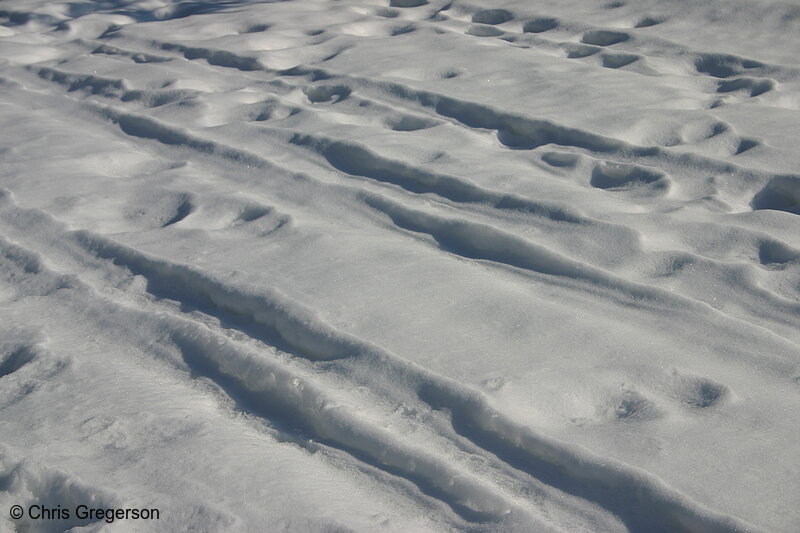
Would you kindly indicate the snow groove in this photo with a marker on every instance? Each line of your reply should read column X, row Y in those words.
column 647, row 500
column 358, row 160
column 275, row 391
column 600, row 480
column 480, row 241
column 544, row 279
column 299, row 328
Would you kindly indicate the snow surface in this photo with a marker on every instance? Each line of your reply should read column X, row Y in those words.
column 401, row 265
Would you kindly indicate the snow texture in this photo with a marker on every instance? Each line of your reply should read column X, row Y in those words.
column 401, row 265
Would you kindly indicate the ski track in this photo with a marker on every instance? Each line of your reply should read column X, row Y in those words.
column 464, row 238
column 282, row 361
column 247, row 374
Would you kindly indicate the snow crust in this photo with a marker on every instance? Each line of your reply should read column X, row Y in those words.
column 401, row 265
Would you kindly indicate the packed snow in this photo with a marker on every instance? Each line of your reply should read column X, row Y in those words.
column 400, row 265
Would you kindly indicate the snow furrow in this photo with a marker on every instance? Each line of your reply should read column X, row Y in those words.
column 500, row 248
column 401, row 265
column 647, row 500
column 360, row 161
column 275, row 390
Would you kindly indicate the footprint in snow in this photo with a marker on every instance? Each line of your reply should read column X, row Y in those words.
column 579, row 51
column 753, row 86
column 647, row 22
column 560, row 159
column 386, row 12
column 631, row 406
column 746, row 144
column 158, row 208
column 409, row 123
column 255, row 28
column 407, row 3
column 624, row 177
column 695, row 392
column 482, row 30
column 724, row 65
column 604, row 37
column 774, row 254
column 327, row 93
column 14, row 359
column 492, row 16
column 619, row 60
column 781, row 193
column 540, row 25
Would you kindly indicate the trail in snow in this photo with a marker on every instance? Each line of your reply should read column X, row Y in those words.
column 407, row 265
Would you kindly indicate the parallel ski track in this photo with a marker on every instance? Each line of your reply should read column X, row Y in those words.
column 516, row 455
column 453, row 234
column 642, row 501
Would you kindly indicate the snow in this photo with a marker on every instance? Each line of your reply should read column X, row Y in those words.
column 401, row 265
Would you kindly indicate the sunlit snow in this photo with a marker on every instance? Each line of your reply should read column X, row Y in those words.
column 400, row 265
